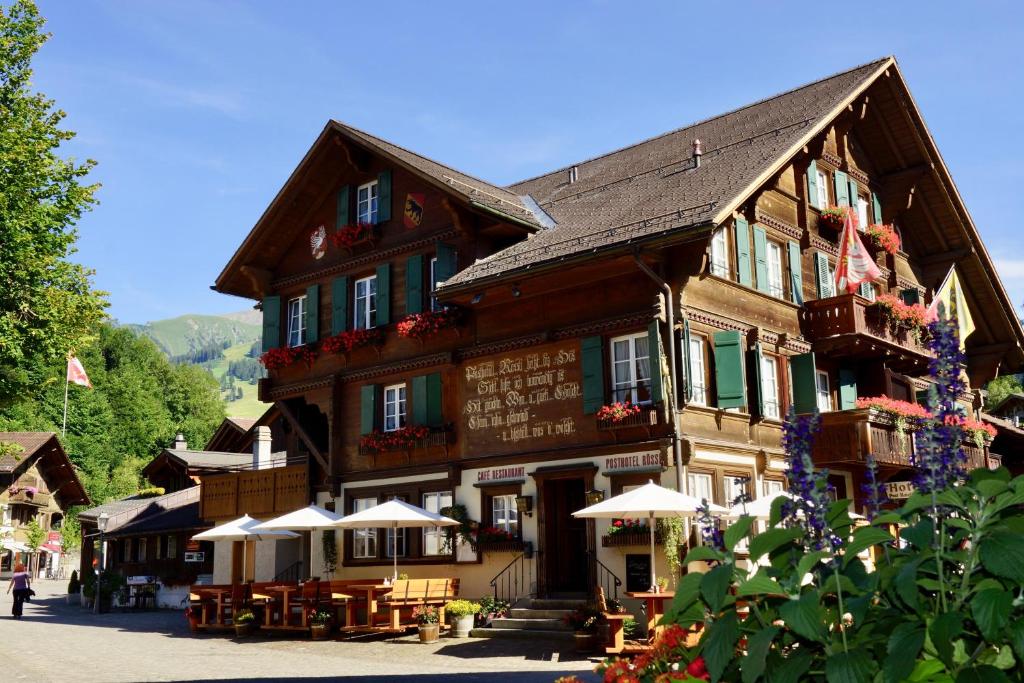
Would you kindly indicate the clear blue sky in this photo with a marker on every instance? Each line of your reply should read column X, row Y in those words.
column 198, row 111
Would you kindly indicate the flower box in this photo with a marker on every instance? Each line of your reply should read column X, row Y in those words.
column 416, row 436
column 428, row 324
column 275, row 359
column 499, row 546
column 882, row 236
column 623, row 415
column 832, row 218
column 631, row 538
column 350, row 236
column 350, row 340
column 898, row 315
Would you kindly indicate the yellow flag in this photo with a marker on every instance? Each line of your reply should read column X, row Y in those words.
column 951, row 304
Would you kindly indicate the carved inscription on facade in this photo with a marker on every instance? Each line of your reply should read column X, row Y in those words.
column 520, row 399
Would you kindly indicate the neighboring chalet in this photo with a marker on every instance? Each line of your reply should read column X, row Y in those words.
column 37, row 482
column 435, row 338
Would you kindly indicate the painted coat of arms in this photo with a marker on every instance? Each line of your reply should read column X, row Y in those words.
column 318, row 242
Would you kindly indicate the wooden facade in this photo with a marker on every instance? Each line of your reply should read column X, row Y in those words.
column 509, row 396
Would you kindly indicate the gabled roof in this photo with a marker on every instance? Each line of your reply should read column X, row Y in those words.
column 183, row 518
column 45, row 451
column 127, row 510
column 653, row 187
column 1006, row 403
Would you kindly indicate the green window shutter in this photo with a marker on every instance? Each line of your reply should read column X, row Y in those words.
column 312, row 313
column 854, row 191
column 445, row 266
column 876, row 208
column 812, row 185
column 368, row 408
column 654, row 349
column 822, row 275
column 805, row 387
column 796, row 275
column 383, row 294
column 756, row 358
column 842, row 189
column 384, row 197
column 847, row 389
column 592, row 360
column 342, row 210
column 910, row 296
column 729, row 370
column 419, row 400
column 414, row 284
column 761, row 258
column 741, row 232
column 339, row 305
column 435, row 412
column 271, row 322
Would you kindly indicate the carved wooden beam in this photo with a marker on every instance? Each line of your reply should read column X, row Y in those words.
column 286, row 411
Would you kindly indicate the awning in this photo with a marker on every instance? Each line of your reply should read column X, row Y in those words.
column 51, row 548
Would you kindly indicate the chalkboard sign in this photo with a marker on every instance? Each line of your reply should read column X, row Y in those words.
column 638, row 573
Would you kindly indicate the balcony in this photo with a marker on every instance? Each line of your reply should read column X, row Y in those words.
column 848, row 326
column 25, row 496
column 849, row 436
column 259, row 493
column 437, row 436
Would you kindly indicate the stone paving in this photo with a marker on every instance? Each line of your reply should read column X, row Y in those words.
column 60, row 642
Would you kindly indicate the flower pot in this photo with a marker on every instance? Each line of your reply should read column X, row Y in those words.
column 429, row 632
column 320, row 631
column 246, row 629
column 461, row 625
column 604, row 632
column 584, row 641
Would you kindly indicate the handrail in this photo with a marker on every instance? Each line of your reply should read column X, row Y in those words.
column 605, row 578
column 292, row 572
column 514, row 581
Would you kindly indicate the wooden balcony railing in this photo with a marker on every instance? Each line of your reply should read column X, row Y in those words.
column 438, row 436
column 850, row 325
column 647, row 417
column 24, row 497
column 269, row 492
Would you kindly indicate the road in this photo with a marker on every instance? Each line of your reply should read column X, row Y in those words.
column 59, row 642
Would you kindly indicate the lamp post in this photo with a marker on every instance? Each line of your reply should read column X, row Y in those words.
column 101, row 524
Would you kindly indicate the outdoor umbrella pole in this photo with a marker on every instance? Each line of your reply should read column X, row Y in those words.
column 394, row 550
column 650, row 526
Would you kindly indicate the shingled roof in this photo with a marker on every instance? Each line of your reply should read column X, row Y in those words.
column 653, row 187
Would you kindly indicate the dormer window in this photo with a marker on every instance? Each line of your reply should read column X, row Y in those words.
column 366, row 203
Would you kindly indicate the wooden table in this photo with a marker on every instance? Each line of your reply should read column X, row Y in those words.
column 218, row 595
column 655, row 604
column 286, row 592
column 373, row 591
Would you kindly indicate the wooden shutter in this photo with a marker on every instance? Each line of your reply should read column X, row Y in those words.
column 383, row 294
column 435, row 411
column 271, row 322
column 729, row 377
column 876, row 208
column 741, row 234
column 910, row 296
column 842, row 183
column 426, row 400
column 865, row 290
column 796, row 274
column 822, row 275
column 655, row 354
column 592, row 360
column 339, row 305
column 341, row 215
column 384, row 196
column 847, row 389
column 757, row 390
column 419, row 400
column 854, row 192
column 445, row 266
column 368, row 408
column 761, row 258
column 414, row 284
column 312, row 313
column 812, row 185
column 805, row 387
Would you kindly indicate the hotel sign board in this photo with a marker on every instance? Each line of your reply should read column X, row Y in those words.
column 898, row 490
column 633, row 462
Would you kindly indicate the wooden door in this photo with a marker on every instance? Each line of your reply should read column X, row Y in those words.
column 565, row 537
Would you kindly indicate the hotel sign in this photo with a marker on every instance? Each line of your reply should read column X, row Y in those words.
column 634, row 461
column 897, row 490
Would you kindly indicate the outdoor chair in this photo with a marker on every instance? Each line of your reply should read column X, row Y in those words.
column 308, row 602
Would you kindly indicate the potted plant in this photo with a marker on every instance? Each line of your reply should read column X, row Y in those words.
column 583, row 621
column 74, row 587
column 833, row 217
column 661, row 583
column 427, row 618
column 491, row 608
column 245, row 622
column 463, row 613
column 320, row 624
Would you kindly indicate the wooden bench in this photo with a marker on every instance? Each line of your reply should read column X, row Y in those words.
column 409, row 593
column 616, row 642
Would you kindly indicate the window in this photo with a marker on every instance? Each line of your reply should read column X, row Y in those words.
column 770, row 387
column 434, row 539
column 434, row 306
column 366, row 303
column 366, row 203
column 773, row 487
column 631, row 369
column 719, row 254
column 698, row 373
column 394, row 407
column 504, row 514
column 867, row 290
column 700, row 486
column 159, row 550
column 736, row 486
column 172, row 547
column 364, row 541
column 774, row 258
column 395, row 544
column 141, row 555
column 297, row 321
column 824, row 394
column 822, row 189
column 126, row 550
column 862, row 214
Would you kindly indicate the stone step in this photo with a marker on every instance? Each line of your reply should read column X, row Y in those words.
column 524, row 634
column 530, row 624
column 555, row 603
column 528, row 613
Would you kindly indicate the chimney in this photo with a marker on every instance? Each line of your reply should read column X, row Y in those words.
column 698, row 151
column 179, row 442
column 261, row 449
column 574, row 174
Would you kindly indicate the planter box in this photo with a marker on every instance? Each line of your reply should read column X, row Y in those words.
column 631, row 539
column 438, row 436
column 647, row 417
column 500, row 546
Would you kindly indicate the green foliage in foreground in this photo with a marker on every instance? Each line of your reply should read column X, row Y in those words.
column 947, row 607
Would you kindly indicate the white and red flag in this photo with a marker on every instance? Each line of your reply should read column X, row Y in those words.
column 76, row 373
column 854, row 264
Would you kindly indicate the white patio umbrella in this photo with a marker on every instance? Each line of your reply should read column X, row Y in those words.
column 651, row 501
column 242, row 529
column 310, row 518
column 396, row 514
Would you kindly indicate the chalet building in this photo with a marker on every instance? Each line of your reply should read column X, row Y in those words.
column 435, row 338
column 39, row 483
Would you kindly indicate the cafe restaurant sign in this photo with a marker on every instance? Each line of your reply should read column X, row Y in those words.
column 499, row 474
column 898, row 490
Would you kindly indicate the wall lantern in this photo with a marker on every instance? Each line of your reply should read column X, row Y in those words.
column 594, row 496
column 524, row 504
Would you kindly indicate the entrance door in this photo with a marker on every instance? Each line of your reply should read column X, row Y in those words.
column 565, row 537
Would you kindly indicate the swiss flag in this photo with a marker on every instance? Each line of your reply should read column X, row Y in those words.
column 76, row 373
column 854, row 264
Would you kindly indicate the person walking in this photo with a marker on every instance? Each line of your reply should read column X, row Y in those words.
column 21, row 582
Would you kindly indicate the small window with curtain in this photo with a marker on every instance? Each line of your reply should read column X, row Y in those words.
column 631, row 369
column 394, row 407
column 720, row 254
column 505, row 514
column 434, row 538
column 823, row 184
column 698, row 372
column 364, row 541
column 770, row 387
column 862, row 214
column 773, row 259
column 297, row 321
column 824, row 392
column 366, row 203
column 365, row 314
